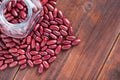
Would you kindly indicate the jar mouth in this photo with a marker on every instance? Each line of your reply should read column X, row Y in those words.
column 5, row 22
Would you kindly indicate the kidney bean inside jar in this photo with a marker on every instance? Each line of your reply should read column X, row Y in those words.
column 15, row 11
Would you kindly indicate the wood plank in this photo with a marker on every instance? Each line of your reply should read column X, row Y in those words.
column 111, row 69
column 91, row 59
column 8, row 74
column 96, row 23
column 86, row 29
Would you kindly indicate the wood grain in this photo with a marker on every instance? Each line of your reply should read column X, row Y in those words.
column 8, row 74
column 111, row 69
column 96, row 23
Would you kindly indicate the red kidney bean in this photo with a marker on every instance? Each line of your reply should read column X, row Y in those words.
column 60, row 21
column 22, row 62
column 36, row 27
column 0, row 48
column 5, row 11
column 21, row 51
column 45, row 64
column 34, row 52
column 66, row 47
column 19, row 6
column 24, row 41
column 41, row 30
column 53, row 36
column 18, row 47
column 28, row 55
column 41, row 68
column 50, row 7
column 44, row 1
column 47, row 22
column 38, row 39
column 44, row 42
column 2, row 58
column 64, row 33
column 36, row 62
column 43, row 53
column 66, row 21
column 44, row 24
column 46, row 17
column 46, row 57
column 58, row 49
column 44, row 48
column 66, row 42
column 14, row 3
column 4, row 52
column 9, row 6
column 46, row 34
column 76, row 42
column 60, row 14
column 3, row 36
column 52, row 59
column 45, row 9
column 7, row 40
column 8, row 61
column 52, row 46
column 1, row 63
column 23, row 66
column 71, row 38
column 41, row 19
column 55, row 12
column 53, row 3
column 50, row 42
column 7, row 56
column 16, row 41
column 30, row 63
column 37, row 34
column 47, row 30
column 23, row 14
column 3, row 67
column 42, row 13
column 37, row 46
column 14, row 12
column 13, row 64
column 13, row 50
column 50, row 16
column 50, row 51
column 28, row 48
column 7, row 15
column 17, row 9
column 15, row 54
column 53, row 22
column 62, row 27
column 33, row 44
column 11, row 44
column 60, row 39
column 21, row 57
column 70, row 31
column 36, row 57
column 29, row 39
column 57, row 33
column 24, row 46
column 54, row 27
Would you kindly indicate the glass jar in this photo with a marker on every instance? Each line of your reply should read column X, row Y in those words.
column 22, row 29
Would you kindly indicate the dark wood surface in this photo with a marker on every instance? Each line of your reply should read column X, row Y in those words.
column 97, row 24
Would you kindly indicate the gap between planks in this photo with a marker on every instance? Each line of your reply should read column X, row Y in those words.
column 115, row 42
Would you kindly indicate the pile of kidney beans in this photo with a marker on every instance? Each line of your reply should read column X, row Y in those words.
column 15, row 11
column 51, row 34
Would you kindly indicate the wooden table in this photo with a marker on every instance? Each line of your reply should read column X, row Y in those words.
column 97, row 24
